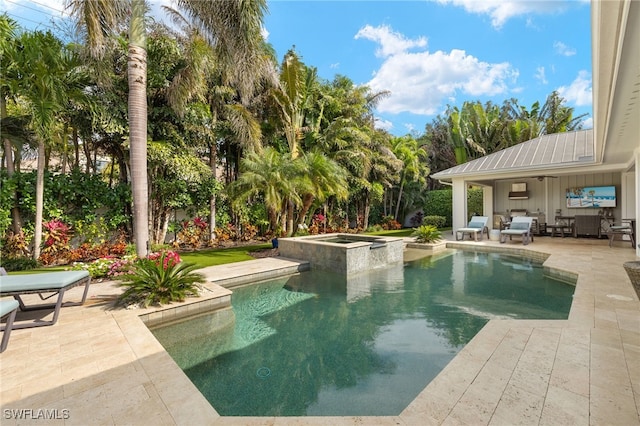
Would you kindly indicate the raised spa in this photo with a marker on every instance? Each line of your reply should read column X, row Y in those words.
column 344, row 253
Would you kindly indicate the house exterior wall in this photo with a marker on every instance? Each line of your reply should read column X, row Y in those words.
column 549, row 194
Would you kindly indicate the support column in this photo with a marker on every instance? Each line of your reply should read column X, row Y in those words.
column 487, row 204
column 459, row 204
column 637, row 198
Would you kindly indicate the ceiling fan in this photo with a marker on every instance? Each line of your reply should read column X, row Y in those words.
column 542, row 177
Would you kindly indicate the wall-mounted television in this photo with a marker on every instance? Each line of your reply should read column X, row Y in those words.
column 591, row 197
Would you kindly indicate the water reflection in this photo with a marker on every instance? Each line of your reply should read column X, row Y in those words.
column 363, row 346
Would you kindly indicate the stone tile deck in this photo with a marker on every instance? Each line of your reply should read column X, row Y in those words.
column 101, row 365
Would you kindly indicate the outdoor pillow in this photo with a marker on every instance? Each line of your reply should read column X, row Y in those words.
column 478, row 225
column 519, row 225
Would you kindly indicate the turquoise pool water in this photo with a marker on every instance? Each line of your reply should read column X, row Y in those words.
column 316, row 345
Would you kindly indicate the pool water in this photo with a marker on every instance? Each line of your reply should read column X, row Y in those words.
column 316, row 345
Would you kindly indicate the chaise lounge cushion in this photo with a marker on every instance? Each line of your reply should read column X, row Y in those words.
column 40, row 282
column 517, row 226
column 55, row 283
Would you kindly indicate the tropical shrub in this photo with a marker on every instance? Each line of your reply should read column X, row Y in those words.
column 249, row 232
column 389, row 223
column 416, row 219
column 437, row 221
column 374, row 228
column 74, row 197
column 56, row 242
column 15, row 245
column 192, row 233
column 99, row 268
column 122, row 266
column 226, row 233
column 159, row 279
column 426, row 234
column 18, row 263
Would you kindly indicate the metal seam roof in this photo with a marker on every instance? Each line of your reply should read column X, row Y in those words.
column 554, row 150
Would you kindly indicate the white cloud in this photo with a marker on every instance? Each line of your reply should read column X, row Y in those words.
column 540, row 75
column 383, row 124
column 390, row 42
column 410, row 127
column 501, row 11
column 579, row 92
column 588, row 123
column 264, row 33
column 563, row 49
column 25, row 9
column 335, row 65
column 420, row 82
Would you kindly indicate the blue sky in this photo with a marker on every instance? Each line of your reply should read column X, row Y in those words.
column 428, row 54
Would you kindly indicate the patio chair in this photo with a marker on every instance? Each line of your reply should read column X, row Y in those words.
column 520, row 227
column 625, row 228
column 55, row 283
column 8, row 308
column 477, row 225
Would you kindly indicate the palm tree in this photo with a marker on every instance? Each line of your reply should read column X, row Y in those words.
column 46, row 81
column 556, row 117
column 100, row 19
column 10, row 76
column 323, row 177
column 242, row 64
column 270, row 175
column 414, row 167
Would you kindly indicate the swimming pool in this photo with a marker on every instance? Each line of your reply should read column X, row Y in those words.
column 317, row 344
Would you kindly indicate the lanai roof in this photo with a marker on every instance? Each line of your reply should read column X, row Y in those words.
column 558, row 150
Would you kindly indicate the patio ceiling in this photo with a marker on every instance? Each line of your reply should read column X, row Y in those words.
column 616, row 79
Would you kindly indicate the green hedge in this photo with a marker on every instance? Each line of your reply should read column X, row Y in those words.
column 439, row 203
column 474, row 202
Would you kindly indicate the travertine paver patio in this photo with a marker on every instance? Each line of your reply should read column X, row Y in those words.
column 101, row 365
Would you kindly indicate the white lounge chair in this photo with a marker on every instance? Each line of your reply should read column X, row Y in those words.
column 477, row 225
column 521, row 227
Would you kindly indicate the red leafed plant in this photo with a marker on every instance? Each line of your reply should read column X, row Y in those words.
column 56, row 242
column 168, row 258
column 57, row 234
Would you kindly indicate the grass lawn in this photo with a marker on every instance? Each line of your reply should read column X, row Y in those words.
column 406, row 232
column 220, row 256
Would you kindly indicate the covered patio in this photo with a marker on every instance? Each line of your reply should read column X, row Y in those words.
column 534, row 177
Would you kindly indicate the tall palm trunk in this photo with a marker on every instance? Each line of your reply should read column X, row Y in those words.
column 213, row 159
column 37, row 234
column 307, row 202
column 399, row 197
column 137, row 74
